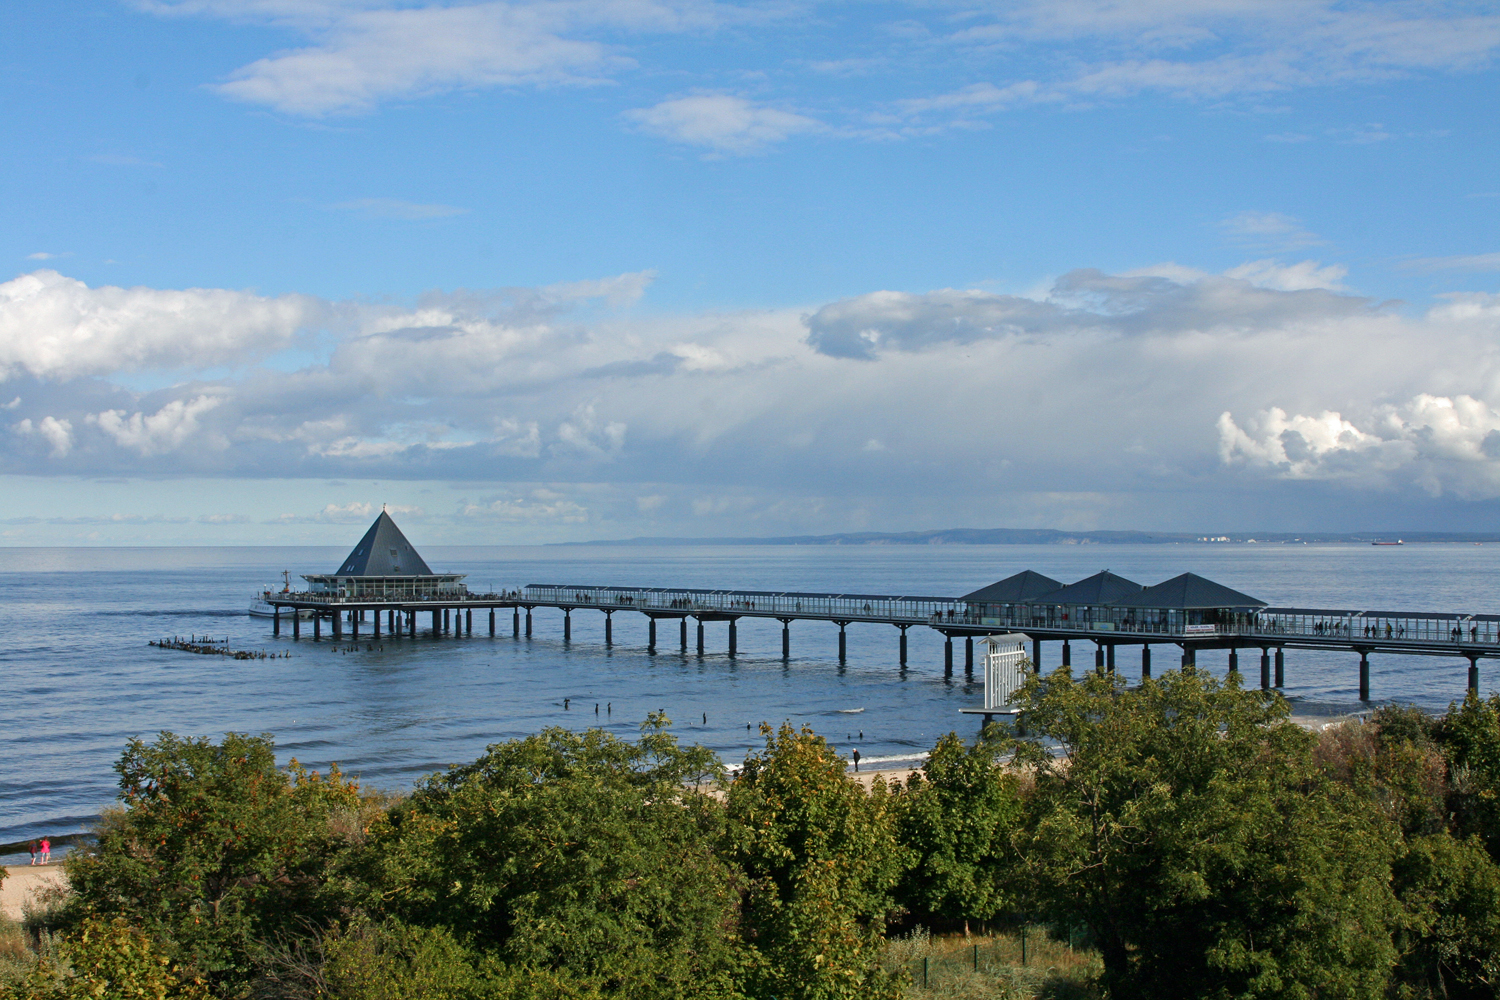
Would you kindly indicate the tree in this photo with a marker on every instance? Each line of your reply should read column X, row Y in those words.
column 821, row 858
column 215, row 849
column 957, row 815
column 108, row 959
column 1450, row 934
column 1470, row 737
column 576, row 852
column 1186, row 824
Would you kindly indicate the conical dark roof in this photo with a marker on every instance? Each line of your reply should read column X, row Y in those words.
column 384, row 551
column 1189, row 591
column 1101, row 588
column 1019, row 589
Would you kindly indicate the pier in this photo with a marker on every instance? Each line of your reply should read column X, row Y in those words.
column 1108, row 614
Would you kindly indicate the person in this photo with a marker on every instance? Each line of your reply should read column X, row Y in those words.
column 32, row 848
column 565, row 703
column 46, row 851
column 856, row 760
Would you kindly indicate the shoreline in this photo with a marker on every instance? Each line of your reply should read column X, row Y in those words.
column 28, row 886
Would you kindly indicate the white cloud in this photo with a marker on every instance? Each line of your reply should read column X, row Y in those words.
column 57, row 327
column 57, row 433
column 1438, row 442
column 391, row 208
column 1479, row 262
column 722, row 123
column 150, row 434
column 44, row 255
column 1290, row 277
column 1271, row 230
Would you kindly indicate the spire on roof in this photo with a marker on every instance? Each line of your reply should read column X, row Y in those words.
column 384, row 551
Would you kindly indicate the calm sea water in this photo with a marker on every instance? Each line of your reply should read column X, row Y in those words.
column 80, row 678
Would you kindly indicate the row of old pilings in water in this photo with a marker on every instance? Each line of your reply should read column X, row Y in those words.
column 205, row 646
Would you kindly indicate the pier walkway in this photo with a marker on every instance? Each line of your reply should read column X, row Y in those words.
column 1142, row 617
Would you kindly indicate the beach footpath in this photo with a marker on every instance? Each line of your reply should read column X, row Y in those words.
column 27, row 887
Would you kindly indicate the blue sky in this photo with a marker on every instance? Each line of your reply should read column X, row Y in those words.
column 596, row 268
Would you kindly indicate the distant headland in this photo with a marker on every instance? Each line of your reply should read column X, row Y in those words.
column 1053, row 536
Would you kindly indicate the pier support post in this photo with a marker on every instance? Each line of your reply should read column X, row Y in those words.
column 375, row 622
column 947, row 655
column 390, row 622
column 609, row 628
column 1067, row 660
column 1234, row 661
column 682, row 634
column 786, row 639
column 276, row 621
column 843, row 643
column 492, row 622
column 296, row 623
column 411, row 621
column 1280, row 667
column 1146, row 662
column 338, row 626
column 734, row 638
column 437, row 622
column 1099, row 658
column 317, row 627
column 567, row 625
column 1364, row 675
column 468, row 621
column 1036, row 656
column 1109, row 658
column 700, row 636
column 1265, row 669
column 651, row 635
column 1474, row 674
column 515, row 623
column 528, row 622
column 903, row 629
column 445, row 621
column 1189, row 658
column 968, row 654
column 354, row 617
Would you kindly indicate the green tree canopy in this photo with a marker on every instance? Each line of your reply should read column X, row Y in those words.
column 569, row 851
column 215, row 850
column 1187, row 825
column 821, row 858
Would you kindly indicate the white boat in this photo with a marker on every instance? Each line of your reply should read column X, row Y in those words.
column 261, row 606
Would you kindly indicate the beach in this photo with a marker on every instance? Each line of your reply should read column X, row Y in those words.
column 28, row 886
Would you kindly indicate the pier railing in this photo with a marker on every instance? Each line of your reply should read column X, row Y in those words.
column 1273, row 626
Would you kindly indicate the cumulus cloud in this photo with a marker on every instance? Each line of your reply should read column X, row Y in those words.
column 57, row 433
column 154, row 433
column 722, row 123
column 57, row 327
column 1438, row 442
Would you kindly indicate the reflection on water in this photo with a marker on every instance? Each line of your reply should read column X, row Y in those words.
column 81, row 679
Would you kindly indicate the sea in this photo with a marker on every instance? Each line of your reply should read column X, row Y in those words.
column 80, row 678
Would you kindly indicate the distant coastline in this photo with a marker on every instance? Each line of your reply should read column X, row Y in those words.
column 1053, row 536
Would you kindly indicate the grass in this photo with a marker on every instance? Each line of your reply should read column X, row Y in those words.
column 1052, row 970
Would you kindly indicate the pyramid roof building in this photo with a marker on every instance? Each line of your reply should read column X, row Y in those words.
column 385, row 564
column 384, row 551
column 1094, row 591
column 1189, row 592
column 1022, row 588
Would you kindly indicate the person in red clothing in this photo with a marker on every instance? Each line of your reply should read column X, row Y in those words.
column 46, row 851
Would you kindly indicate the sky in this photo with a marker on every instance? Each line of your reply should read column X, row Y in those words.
column 579, row 269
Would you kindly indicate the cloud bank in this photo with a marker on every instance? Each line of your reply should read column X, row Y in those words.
column 1119, row 387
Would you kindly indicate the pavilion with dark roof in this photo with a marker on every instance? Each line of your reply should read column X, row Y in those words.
column 384, row 564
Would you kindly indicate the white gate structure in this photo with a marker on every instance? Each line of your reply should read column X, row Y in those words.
column 1005, row 662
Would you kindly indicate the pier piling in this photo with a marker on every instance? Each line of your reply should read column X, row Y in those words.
column 786, row 639
column 1364, row 675
column 1280, row 668
column 700, row 636
column 276, row 621
column 567, row 625
column 682, row 634
column 968, row 654
column 1265, row 669
column 1474, row 674
column 734, row 638
column 1067, row 656
column 843, row 643
column 947, row 655
column 609, row 628
column 1146, row 662
column 651, row 635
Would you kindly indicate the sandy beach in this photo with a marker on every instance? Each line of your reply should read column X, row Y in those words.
column 24, row 886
